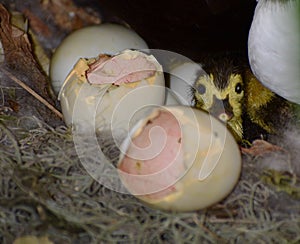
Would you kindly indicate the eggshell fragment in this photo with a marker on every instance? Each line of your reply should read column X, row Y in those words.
column 179, row 159
column 122, row 68
column 88, row 42
column 94, row 101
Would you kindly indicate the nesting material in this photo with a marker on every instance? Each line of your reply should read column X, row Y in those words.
column 46, row 192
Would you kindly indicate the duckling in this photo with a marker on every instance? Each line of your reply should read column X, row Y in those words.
column 274, row 46
column 229, row 91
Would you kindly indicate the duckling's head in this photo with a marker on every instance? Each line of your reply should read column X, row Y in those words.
column 220, row 91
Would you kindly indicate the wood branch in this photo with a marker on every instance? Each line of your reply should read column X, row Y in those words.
column 32, row 92
column 21, row 65
column 19, row 57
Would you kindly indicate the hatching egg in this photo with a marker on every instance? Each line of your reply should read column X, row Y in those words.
column 106, row 92
column 180, row 159
column 88, row 42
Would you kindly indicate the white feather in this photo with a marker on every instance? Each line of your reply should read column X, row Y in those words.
column 274, row 47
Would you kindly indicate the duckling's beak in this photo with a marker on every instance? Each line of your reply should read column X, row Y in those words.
column 221, row 109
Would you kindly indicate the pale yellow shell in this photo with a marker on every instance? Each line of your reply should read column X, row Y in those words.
column 90, row 107
column 211, row 163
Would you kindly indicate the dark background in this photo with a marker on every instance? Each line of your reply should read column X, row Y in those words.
column 191, row 27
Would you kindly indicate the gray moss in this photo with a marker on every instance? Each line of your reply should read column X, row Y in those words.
column 44, row 190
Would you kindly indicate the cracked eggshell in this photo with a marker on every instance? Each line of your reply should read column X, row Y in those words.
column 99, row 105
column 179, row 159
column 88, row 42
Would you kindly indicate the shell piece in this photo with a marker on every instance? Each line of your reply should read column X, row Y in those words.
column 126, row 67
column 88, row 41
column 179, row 159
column 89, row 107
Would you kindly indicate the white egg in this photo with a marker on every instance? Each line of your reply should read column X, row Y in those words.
column 274, row 47
column 88, row 42
column 179, row 159
column 182, row 79
column 107, row 92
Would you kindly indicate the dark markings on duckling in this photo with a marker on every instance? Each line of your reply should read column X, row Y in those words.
column 230, row 92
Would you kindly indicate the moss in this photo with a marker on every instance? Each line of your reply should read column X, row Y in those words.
column 46, row 191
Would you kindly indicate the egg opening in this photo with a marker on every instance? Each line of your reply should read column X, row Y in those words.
column 155, row 154
column 104, row 92
column 124, row 68
column 195, row 160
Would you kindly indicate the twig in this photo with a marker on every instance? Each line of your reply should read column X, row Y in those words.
column 32, row 92
column 13, row 141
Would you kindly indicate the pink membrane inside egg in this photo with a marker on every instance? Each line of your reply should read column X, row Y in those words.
column 120, row 69
column 154, row 177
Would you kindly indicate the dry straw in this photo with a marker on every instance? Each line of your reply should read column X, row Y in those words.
column 44, row 190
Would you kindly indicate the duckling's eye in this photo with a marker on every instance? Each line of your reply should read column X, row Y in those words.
column 238, row 88
column 201, row 89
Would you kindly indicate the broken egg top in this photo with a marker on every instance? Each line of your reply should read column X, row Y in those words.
column 124, row 68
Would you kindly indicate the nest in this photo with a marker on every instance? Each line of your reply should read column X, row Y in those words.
column 45, row 192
